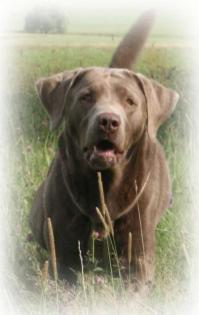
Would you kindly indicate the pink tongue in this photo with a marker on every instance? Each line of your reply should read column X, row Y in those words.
column 107, row 153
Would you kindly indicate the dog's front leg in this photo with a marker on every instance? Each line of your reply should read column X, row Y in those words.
column 143, row 247
column 140, row 269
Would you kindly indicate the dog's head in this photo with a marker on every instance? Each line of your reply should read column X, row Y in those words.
column 105, row 110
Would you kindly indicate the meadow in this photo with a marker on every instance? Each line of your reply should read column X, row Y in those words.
column 34, row 56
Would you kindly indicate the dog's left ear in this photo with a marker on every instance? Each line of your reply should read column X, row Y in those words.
column 53, row 91
column 160, row 100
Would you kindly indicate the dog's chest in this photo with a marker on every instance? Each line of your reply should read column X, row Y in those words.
column 119, row 198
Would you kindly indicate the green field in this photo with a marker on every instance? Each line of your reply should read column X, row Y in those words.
column 38, row 55
column 89, row 40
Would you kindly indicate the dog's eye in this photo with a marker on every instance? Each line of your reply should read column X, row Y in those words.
column 130, row 101
column 86, row 97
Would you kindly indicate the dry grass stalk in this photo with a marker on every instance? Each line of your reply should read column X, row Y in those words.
column 101, row 192
column 129, row 248
column 141, row 230
column 44, row 275
column 109, row 220
column 104, row 208
column 102, row 219
column 141, row 267
column 186, row 255
column 52, row 248
column 82, row 272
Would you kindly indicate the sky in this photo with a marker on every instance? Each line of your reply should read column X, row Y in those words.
column 11, row 11
column 22, row 5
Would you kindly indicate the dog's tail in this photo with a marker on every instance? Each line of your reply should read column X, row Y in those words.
column 132, row 43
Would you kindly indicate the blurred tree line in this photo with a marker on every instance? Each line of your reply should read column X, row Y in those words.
column 46, row 20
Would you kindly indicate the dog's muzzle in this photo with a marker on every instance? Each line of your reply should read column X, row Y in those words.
column 105, row 150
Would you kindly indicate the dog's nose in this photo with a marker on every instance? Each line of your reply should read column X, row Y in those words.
column 109, row 122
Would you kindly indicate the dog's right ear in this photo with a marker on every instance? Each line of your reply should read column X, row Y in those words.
column 53, row 92
column 160, row 101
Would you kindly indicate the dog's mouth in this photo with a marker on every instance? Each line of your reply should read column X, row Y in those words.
column 103, row 154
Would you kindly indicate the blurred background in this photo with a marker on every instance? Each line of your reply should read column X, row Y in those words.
column 39, row 40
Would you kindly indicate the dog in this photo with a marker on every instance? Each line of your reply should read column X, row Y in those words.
column 111, row 118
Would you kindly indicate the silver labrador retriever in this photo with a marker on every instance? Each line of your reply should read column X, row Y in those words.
column 111, row 118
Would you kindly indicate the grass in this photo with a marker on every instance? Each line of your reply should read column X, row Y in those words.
column 34, row 148
column 88, row 39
